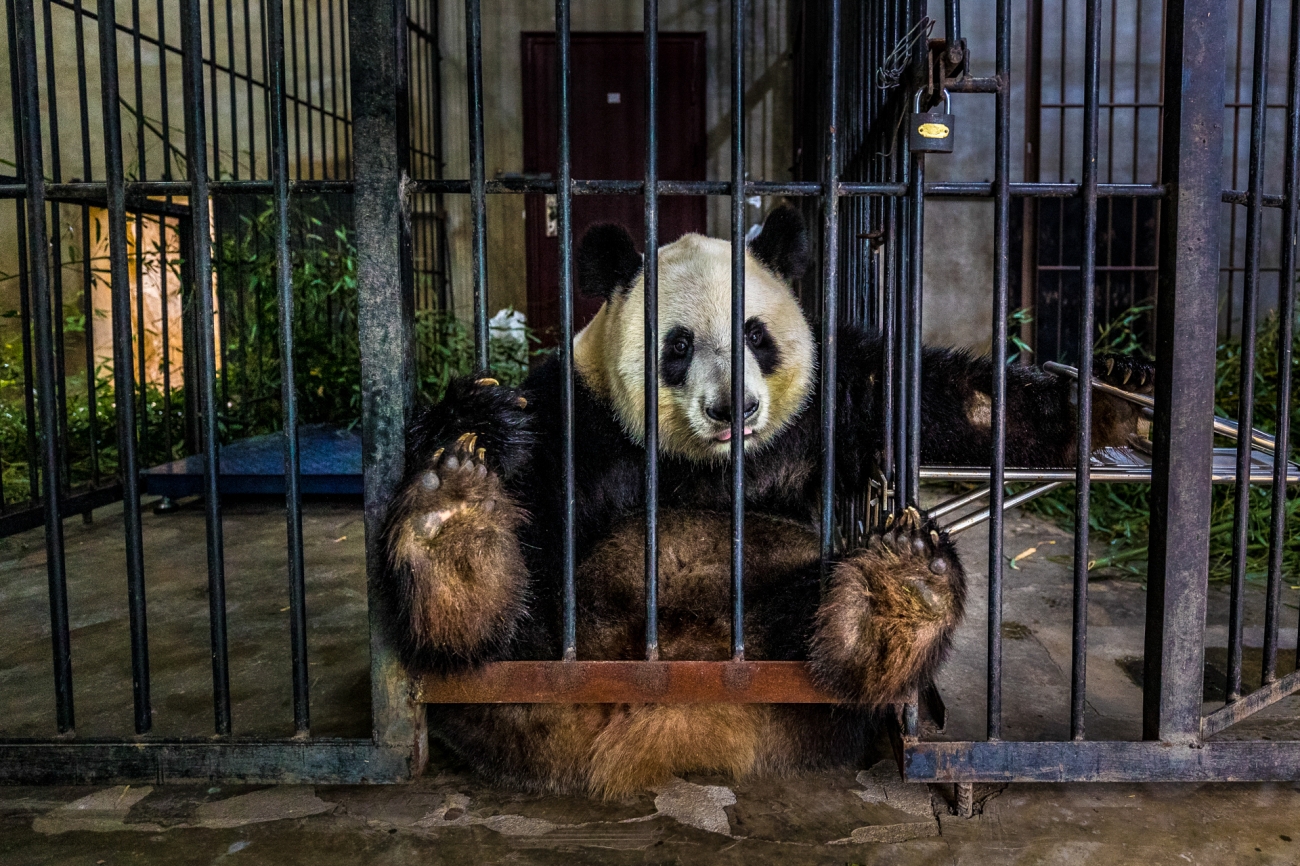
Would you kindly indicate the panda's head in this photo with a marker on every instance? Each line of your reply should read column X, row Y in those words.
column 695, row 335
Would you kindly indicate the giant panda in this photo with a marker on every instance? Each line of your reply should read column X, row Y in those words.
column 473, row 537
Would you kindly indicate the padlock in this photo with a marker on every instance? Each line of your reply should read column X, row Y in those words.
column 931, row 131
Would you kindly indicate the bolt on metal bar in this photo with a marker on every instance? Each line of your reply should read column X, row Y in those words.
column 1246, row 383
column 565, row 219
column 1001, row 293
column 1083, row 432
column 650, row 282
column 124, row 397
column 201, row 256
column 477, row 179
column 28, row 109
column 288, row 389
column 1285, row 354
column 738, row 329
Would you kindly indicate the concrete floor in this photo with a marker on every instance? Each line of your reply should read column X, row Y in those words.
column 448, row 816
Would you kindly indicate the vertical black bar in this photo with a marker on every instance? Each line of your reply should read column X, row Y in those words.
column 1286, row 317
column 201, row 255
column 141, row 174
column 29, row 111
column 738, row 329
column 1083, row 433
column 297, row 99
column 306, row 66
column 248, row 88
column 565, row 214
column 87, row 268
column 387, row 374
column 477, row 180
column 1001, row 292
column 288, row 387
column 1246, row 384
column 912, row 328
column 120, row 289
column 1186, row 315
column 334, row 95
column 952, row 23
column 56, row 252
column 830, row 283
column 651, row 284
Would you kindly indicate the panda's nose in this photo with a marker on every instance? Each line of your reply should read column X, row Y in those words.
column 722, row 411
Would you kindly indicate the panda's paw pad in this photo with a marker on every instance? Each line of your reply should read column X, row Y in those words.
column 456, row 482
column 1125, row 371
column 916, row 541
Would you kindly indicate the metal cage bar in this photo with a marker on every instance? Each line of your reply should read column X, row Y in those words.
column 201, row 258
column 288, row 391
column 650, row 281
column 1083, row 431
column 124, row 389
column 565, row 214
column 738, row 330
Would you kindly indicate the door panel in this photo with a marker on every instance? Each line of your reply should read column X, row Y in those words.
column 608, row 108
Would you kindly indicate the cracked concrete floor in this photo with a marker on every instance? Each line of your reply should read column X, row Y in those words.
column 448, row 816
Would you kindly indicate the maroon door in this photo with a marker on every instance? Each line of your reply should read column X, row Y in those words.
column 608, row 142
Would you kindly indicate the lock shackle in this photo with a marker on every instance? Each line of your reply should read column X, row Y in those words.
column 947, row 101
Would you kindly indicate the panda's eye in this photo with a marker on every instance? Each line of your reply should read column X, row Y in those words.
column 755, row 337
column 681, row 346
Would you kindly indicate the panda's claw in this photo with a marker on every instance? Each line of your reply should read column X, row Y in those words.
column 487, row 381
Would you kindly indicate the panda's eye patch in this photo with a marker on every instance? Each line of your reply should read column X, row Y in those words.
column 760, row 342
column 679, row 349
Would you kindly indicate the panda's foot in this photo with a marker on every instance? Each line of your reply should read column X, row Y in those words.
column 1116, row 421
column 1125, row 371
column 453, row 557
column 888, row 617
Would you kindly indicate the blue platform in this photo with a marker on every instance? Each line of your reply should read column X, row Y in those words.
column 329, row 456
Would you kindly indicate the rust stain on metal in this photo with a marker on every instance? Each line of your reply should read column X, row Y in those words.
column 615, row 682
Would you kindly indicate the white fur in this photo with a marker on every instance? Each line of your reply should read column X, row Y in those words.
column 695, row 292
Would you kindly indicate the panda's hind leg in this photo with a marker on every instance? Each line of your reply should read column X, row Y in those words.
column 887, row 619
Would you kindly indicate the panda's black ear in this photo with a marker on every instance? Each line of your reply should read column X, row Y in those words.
column 782, row 245
column 607, row 261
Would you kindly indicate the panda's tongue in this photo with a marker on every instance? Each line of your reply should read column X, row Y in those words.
column 725, row 435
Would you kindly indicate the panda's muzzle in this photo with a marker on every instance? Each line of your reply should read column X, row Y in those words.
column 721, row 412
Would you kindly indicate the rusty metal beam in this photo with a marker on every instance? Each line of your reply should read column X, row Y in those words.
column 619, row 682
column 1249, row 705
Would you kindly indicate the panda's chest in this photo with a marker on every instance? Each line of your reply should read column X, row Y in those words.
column 694, row 581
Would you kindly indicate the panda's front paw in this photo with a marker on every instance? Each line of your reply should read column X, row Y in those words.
column 1125, row 371
column 887, row 619
column 454, row 573
column 497, row 415
column 455, row 484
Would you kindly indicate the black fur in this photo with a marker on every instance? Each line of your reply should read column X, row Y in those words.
column 679, row 349
column 782, row 245
column 607, row 261
column 766, row 352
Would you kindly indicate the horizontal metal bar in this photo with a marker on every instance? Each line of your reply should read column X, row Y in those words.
column 13, row 522
column 617, row 682
column 1250, row 704
column 992, row 84
column 1101, row 761
column 88, row 191
column 1007, row 504
column 1115, row 475
column 1222, row 426
column 155, row 762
